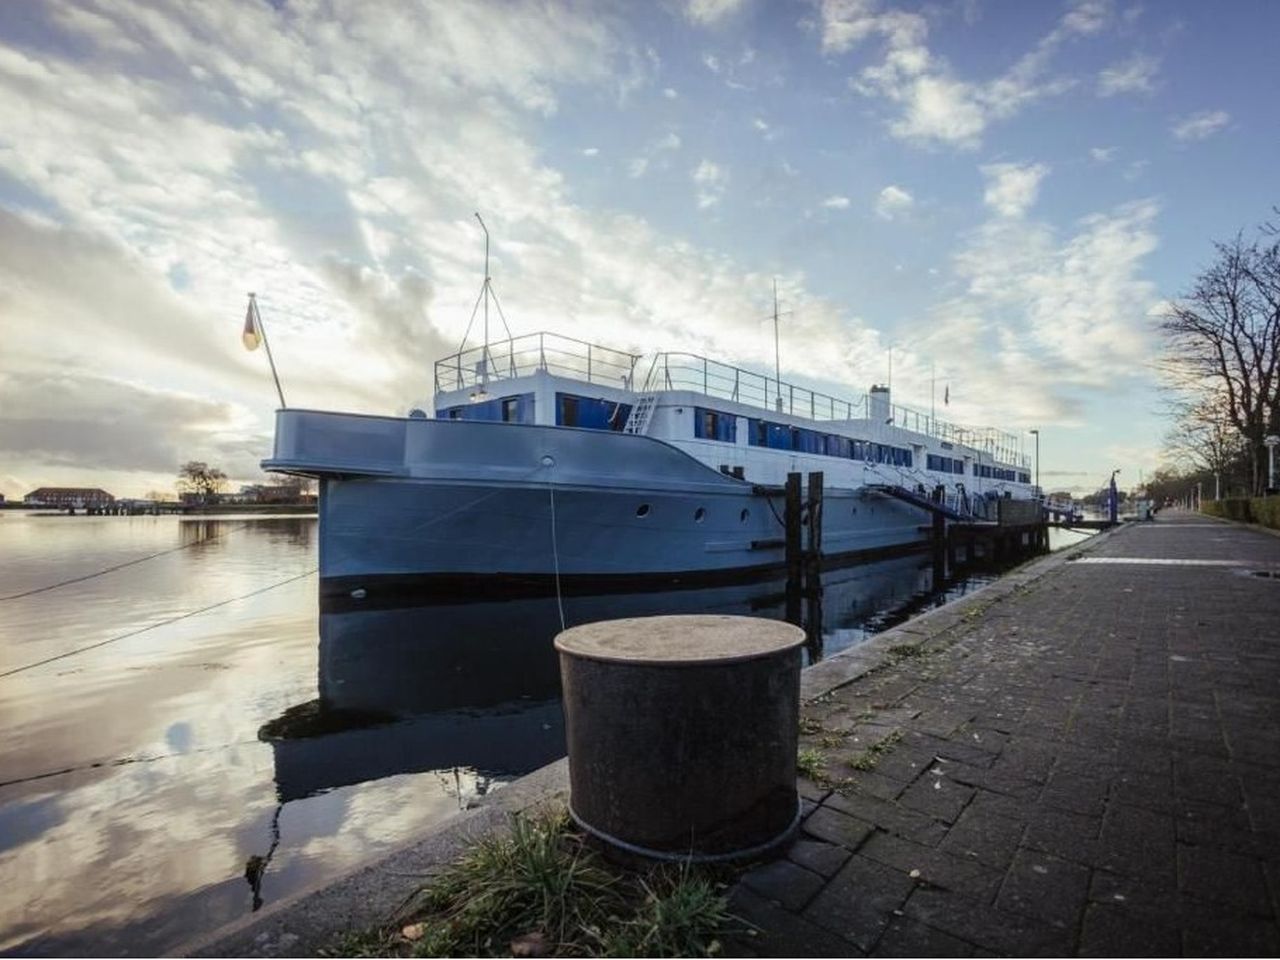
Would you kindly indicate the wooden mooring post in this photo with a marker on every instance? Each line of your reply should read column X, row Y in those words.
column 791, row 516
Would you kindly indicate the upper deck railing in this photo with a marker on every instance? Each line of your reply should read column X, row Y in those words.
column 522, row 356
column 578, row 359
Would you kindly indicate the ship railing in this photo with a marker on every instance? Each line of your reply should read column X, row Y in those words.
column 532, row 353
column 688, row 371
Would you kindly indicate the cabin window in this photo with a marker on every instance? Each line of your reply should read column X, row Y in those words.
column 513, row 409
column 714, row 425
column 592, row 413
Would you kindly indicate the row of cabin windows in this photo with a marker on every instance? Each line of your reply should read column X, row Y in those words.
column 944, row 464
column 1000, row 473
column 515, row 409
column 780, row 436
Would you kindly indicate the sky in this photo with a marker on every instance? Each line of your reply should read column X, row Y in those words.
column 1001, row 195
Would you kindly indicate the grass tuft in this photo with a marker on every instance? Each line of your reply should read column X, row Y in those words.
column 542, row 886
column 811, row 763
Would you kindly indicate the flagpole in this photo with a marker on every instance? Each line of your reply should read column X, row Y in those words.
column 257, row 316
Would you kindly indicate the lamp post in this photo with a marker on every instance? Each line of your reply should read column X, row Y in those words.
column 1037, row 435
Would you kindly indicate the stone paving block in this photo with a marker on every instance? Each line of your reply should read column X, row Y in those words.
column 1209, row 931
column 835, row 827
column 937, row 795
column 871, row 783
column 1137, row 841
column 986, row 837
column 810, row 790
column 960, row 746
column 1071, row 836
column 860, row 901
column 974, row 922
column 775, row 932
column 1212, row 873
column 990, row 779
column 1075, row 793
column 1206, row 778
column 1116, row 931
column 1131, row 893
column 1142, row 789
column 905, row 937
column 1024, row 760
column 1045, row 887
column 822, row 858
column 784, row 882
column 889, row 817
column 934, row 867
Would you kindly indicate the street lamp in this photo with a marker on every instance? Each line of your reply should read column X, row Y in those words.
column 1037, row 434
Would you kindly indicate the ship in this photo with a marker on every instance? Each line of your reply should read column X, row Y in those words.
column 549, row 464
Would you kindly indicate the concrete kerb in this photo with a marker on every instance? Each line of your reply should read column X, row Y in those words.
column 369, row 895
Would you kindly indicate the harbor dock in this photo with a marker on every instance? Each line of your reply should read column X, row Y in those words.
column 1081, row 758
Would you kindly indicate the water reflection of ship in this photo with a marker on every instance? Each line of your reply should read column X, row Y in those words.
column 476, row 685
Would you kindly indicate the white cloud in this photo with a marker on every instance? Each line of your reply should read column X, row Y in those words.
column 669, row 93
column 590, row 151
column 1040, row 322
column 711, row 62
column 708, row 12
column 893, row 201
column 934, row 105
column 1135, row 75
column 711, row 180
column 1102, row 154
column 760, row 125
column 836, row 202
column 1200, row 126
column 1012, row 188
column 654, row 150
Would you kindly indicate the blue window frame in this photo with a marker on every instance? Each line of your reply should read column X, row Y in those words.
column 591, row 413
column 714, row 425
column 514, row 409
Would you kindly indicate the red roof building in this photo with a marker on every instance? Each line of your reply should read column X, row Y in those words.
column 68, row 497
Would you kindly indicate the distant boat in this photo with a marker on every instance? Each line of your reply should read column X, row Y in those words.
column 550, row 460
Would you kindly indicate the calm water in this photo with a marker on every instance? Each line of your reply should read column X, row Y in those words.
column 186, row 735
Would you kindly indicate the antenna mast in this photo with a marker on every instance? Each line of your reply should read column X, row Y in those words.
column 486, row 291
column 777, row 355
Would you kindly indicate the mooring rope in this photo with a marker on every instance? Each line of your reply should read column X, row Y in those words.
column 162, row 623
column 555, row 550
column 121, row 566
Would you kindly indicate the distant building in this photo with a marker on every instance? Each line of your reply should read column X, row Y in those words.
column 79, row 497
column 273, row 493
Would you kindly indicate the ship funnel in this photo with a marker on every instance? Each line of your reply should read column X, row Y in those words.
column 879, row 405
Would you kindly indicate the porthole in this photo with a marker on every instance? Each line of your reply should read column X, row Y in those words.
column 642, row 510
column 745, row 515
column 700, row 514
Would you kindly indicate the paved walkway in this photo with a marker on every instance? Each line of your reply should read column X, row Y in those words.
column 1087, row 762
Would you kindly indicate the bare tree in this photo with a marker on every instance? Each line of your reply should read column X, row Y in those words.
column 1223, row 342
column 196, row 476
column 1205, row 440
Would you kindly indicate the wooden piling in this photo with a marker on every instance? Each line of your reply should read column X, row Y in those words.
column 792, row 525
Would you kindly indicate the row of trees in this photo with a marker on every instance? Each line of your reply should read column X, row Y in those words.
column 1222, row 367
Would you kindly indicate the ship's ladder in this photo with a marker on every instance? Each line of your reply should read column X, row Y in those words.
column 641, row 414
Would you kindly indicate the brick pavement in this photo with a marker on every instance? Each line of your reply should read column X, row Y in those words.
column 1084, row 761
